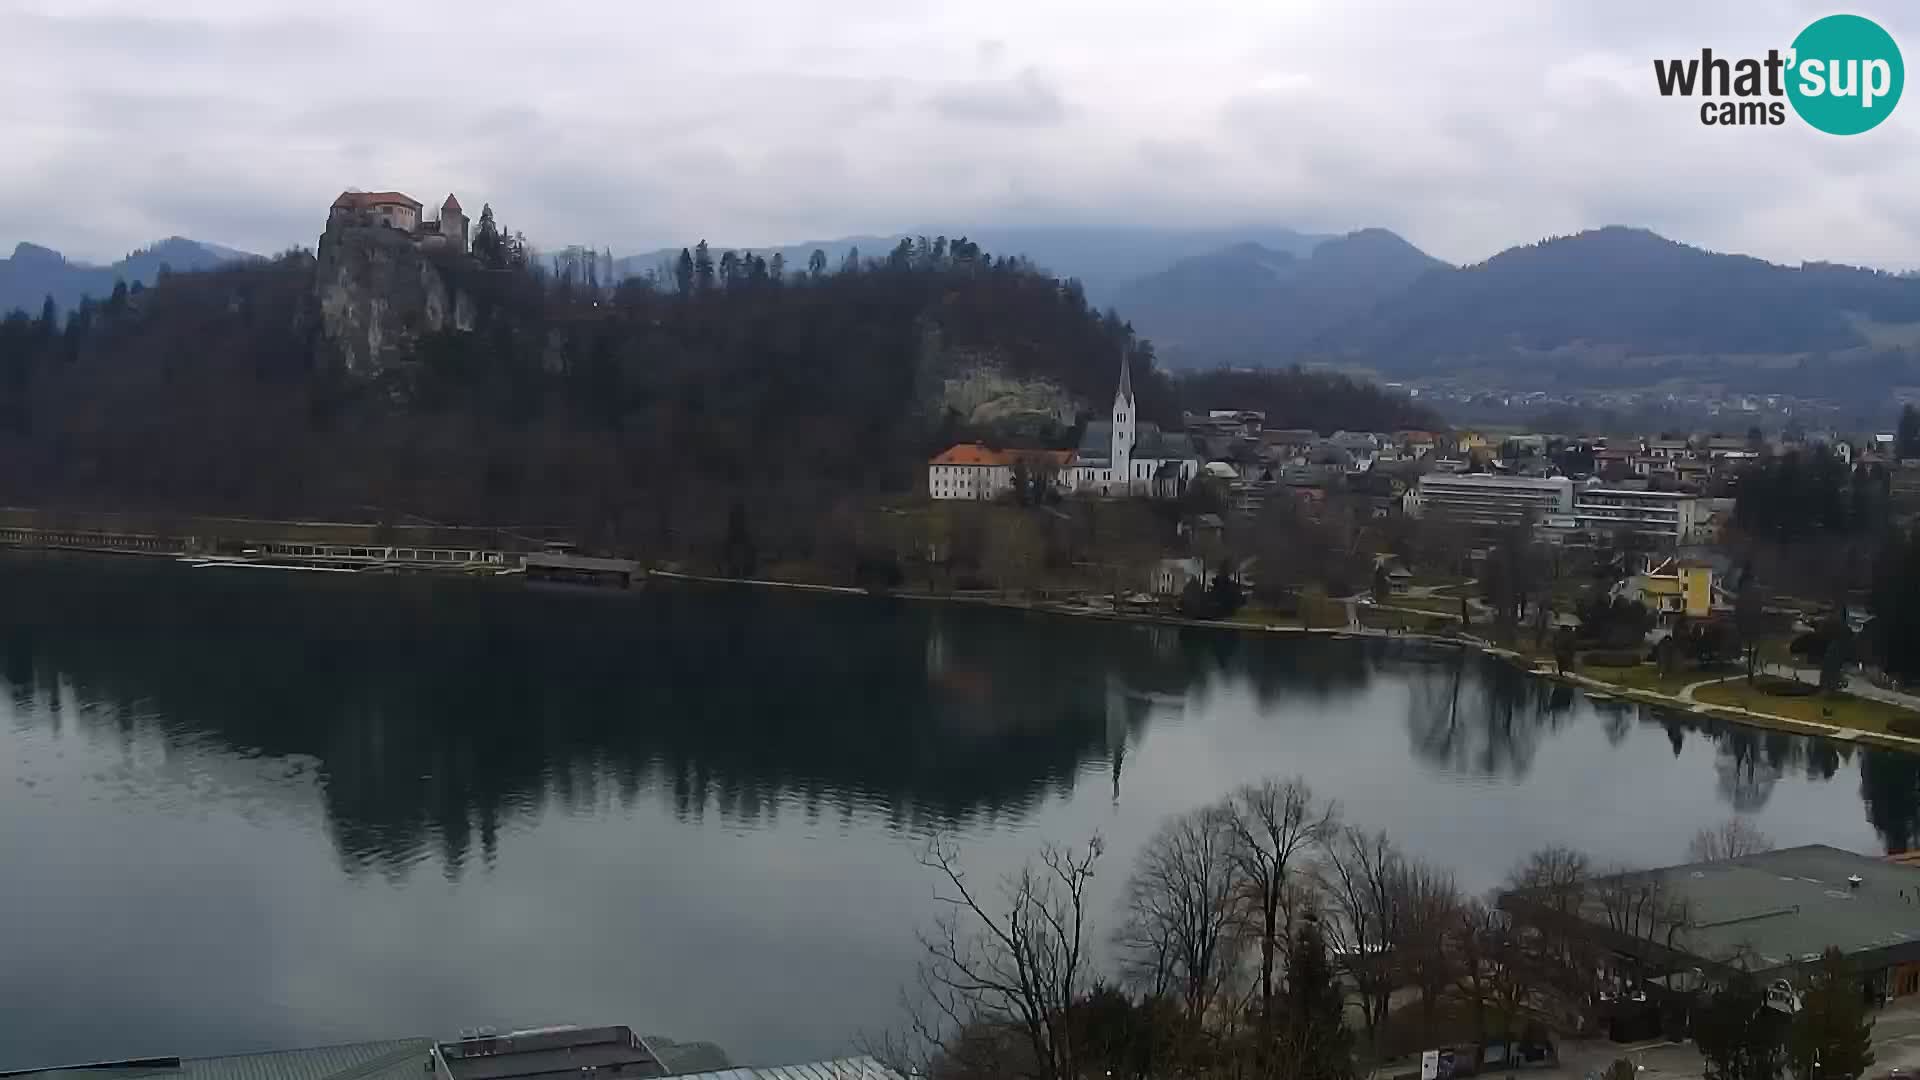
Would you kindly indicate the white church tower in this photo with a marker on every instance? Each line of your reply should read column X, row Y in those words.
column 1124, row 422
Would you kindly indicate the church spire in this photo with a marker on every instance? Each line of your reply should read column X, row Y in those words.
column 1125, row 393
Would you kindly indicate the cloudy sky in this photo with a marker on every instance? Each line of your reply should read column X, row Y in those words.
column 1466, row 126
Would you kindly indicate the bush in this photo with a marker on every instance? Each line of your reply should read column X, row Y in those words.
column 1778, row 687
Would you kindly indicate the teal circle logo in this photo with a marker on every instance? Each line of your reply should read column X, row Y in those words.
column 1846, row 74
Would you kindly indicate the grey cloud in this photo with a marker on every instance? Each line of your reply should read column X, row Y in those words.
column 1467, row 126
column 1026, row 100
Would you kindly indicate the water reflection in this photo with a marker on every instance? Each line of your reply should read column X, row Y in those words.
column 436, row 715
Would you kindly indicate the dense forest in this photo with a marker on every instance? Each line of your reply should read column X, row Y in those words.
column 645, row 415
column 1324, row 401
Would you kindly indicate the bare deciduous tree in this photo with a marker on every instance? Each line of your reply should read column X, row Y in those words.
column 1003, row 971
column 1639, row 906
column 1492, row 970
column 1733, row 838
column 1275, row 823
column 1429, row 906
column 1359, row 876
column 1183, row 924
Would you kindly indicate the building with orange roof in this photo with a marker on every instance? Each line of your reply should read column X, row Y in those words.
column 969, row 471
column 399, row 211
column 975, row 471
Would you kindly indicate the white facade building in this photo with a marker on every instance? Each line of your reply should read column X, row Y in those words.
column 1674, row 517
column 1561, row 506
column 1490, row 500
column 969, row 471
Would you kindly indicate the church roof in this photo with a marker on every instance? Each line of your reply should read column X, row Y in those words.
column 1125, row 393
column 451, row 203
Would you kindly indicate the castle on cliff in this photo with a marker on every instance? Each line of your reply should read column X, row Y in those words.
column 394, row 210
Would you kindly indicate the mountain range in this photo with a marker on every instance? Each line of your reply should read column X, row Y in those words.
column 1608, row 308
column 34, row 273
column 1104, row 259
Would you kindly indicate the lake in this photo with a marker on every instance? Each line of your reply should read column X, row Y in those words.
column 245, row 809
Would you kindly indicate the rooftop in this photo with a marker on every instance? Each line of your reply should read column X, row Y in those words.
column 1785, row 907
column 360, row 200
column 854, row 1068
column 554, row 1052
column 969, row 454
column 396, row 1059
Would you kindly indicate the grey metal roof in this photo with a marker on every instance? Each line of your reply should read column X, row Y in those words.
column 853, row 1068
column 393, row 1059
column 1785, row 907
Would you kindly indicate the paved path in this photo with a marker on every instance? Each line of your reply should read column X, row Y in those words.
column 1686, row 692
column 1856, row 686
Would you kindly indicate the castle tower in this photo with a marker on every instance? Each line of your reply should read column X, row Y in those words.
column 1124, row 422
column 453, row 223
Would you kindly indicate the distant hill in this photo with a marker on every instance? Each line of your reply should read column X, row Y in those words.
column 35, row 272
column 1621, row 307
column 1635, row 290
column 1253, row 305
column 1103, row 258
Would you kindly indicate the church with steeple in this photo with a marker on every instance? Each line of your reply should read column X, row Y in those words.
column 1124, row 455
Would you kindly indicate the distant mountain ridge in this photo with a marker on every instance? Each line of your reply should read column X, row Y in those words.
column 1618, row 307
column 34, row 273
column 1103, row 258
column 1246, row 303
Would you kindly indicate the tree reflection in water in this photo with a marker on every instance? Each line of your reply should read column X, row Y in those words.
column 437, row 714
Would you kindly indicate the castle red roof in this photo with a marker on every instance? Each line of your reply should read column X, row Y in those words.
column 365, row 200
column 451, row 203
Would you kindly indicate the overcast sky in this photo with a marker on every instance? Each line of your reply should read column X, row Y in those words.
column 1467, row 127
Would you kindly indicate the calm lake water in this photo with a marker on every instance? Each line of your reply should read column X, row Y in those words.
column 242, row 810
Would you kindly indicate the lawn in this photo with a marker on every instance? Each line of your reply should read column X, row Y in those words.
column 1439, row 605
column 1381, row 619
column 1843, row 710
column 1648, row 677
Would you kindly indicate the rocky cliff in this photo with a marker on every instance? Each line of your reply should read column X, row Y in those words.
column 379, row 293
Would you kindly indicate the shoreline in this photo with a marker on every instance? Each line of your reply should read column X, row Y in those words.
column 1731, row 713
column 1635, row 695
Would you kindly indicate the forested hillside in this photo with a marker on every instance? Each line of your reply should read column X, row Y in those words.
column 1632, row 288
column 1292, row 398
column 641, row 418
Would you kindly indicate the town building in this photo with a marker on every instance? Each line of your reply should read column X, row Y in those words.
column 1767, row 916
column 969, row 471
column 1125, row 455
column 1673, row 587
column 977, row 472
column 1560, row 505
column 1667, row 517
column 1488, row 499
column 401, row 212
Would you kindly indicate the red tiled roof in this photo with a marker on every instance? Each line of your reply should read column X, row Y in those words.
column 451, row 203
column 970, row 454
column 361, row 200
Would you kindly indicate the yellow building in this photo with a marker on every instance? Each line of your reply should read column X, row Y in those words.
column 1675, row 588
